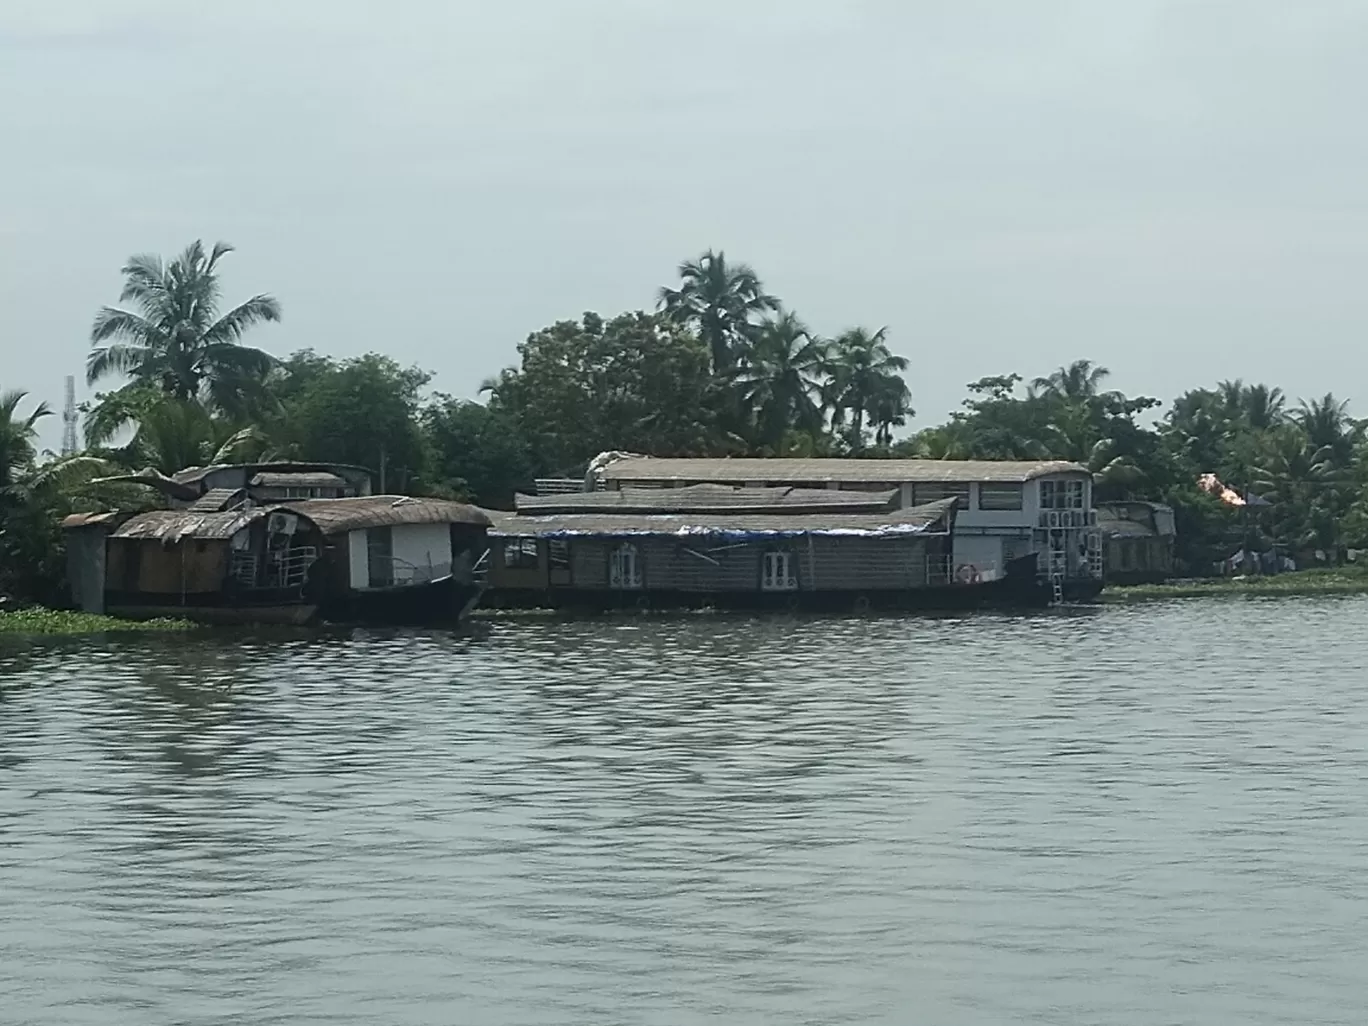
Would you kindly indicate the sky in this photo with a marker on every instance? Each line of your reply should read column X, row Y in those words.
column 1175, row 190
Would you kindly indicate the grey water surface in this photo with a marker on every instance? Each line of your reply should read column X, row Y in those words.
column 1154, row 814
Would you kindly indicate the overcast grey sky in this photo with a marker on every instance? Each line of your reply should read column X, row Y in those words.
column 1173, row 189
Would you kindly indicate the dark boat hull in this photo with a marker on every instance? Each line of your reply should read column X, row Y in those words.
column 432, row 604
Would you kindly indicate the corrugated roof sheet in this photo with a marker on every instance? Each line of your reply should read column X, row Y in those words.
column 216, row 499
column 707, row 498
column 803, row 471
column 285, row 479
column 337, row 515
column 919, row 520
column 171, row 525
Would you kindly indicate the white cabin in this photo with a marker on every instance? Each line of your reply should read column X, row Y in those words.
column 1007, row 509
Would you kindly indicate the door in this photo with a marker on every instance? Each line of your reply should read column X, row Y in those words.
column 380, row 556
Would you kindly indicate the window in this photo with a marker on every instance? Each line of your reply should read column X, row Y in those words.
column 777, row 574
column 999, row 495
column 1061, row 495
column 558, row 552
column 520, row 554
column 935, row 491
column 624, row 570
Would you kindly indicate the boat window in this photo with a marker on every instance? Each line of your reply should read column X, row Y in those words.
column 624, row 569
column 934, row 491
column 558, row 552
column 1000, row 495
column 1061, row 495
column 777, row 574
column 520, row 554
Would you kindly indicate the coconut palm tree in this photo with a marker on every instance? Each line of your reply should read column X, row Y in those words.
column 176, row 340
column 865, row 382
column 18, row 437
column 1082, row 379
column 172, row 435
column 721, row 302
column 1303, row 481
column 779, row 378
column 1263, row 407
column 1328, row 425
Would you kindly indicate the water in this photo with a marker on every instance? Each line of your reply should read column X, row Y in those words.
column 1144, row 815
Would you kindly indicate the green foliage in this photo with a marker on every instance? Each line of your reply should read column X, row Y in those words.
column 37, row 621
column 476, row 452
column 363, row 411
column 636, row 382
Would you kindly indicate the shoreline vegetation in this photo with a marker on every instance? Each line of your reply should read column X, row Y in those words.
column 1320, row 581
column 40, row 621
column 713, row 365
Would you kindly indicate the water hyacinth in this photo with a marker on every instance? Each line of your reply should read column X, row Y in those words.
column 54, row 621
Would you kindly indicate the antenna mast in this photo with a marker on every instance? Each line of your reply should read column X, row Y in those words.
column 69, row 442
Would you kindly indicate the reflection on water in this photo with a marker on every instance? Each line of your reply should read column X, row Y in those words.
column 1133, row 815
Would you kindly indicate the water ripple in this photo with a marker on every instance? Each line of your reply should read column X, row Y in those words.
column 1128, row 815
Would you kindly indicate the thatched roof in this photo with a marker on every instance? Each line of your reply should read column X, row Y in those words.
column 334, row 516
column 828, row 471
column 171, row 525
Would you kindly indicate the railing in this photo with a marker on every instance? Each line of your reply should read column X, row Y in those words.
column 275, row 569
column 400, row 573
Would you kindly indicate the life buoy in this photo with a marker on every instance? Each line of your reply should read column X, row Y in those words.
column 967, row 573
column 861, row 603
column 643, row 604
column 792, row 604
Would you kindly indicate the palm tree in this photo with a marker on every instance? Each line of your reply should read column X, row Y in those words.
column 1328, row 425
column 720, row 302
column 1302, row 480
column 176, row 340
column 1080, row 380
column 1263, row 407
column 173, row 435
column 780, row 376
column 866, row 382
column 890, row 407
column 18, row 435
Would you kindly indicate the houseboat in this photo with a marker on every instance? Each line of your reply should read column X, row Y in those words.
column 397, row 559
column 1010, row 514
column 723, row 547
column 280, row 543
column 247, row 565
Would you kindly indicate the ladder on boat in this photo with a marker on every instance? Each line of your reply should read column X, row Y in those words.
column 1057, row 588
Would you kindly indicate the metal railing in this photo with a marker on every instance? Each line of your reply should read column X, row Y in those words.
column 278, row 568
column 400, row 573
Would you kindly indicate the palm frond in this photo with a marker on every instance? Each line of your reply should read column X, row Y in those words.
column 232, row 325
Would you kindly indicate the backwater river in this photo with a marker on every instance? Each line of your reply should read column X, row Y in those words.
column 1146, row 814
